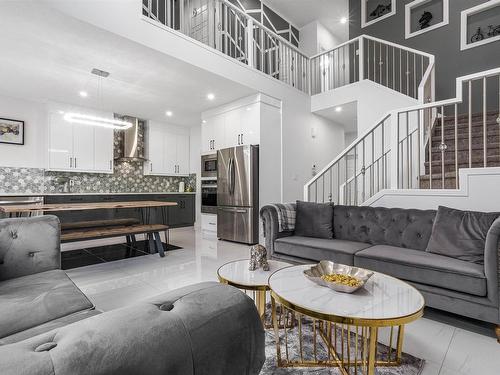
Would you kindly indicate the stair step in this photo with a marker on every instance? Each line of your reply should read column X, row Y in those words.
column 493, row 115
column 450, row 181
column 476, row 136
column 492, row 148
column 450, row 167
column 463, row 161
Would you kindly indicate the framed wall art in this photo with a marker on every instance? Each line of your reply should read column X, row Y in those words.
column 11, row 131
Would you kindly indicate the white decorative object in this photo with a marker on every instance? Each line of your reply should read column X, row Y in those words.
column 417, row 3
column 182, row 186
column 465, row 42
column 364, row 12
column 237, row 273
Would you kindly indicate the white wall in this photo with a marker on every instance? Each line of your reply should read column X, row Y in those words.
column 195, row 166
column 478, row 191
column 316, row 38
column 34, row 152
column 373, row 101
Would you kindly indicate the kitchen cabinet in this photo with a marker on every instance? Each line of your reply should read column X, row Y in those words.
column 79, row 148
column 213, row 133
column 234, row 126
column 167, row 151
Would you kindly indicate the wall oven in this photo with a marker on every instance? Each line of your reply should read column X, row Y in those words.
column 209, row 196
column 209, row 166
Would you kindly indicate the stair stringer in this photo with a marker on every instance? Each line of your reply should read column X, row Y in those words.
column 478, row 191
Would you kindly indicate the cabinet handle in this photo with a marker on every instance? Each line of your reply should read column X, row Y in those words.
column 75, row 162
column 71, row 162
column 241, row 138
column 151, row 167
column 110, row 165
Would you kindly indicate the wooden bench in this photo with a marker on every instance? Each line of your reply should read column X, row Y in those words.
column 91, row 230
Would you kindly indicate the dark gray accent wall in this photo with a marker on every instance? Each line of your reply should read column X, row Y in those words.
column 444, row 43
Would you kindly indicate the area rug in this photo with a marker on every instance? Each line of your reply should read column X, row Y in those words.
column 410, row 365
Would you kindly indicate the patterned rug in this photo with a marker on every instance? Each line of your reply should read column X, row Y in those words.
column 410, row 365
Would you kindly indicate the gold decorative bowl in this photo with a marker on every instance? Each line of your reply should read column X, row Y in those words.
column 326, row 267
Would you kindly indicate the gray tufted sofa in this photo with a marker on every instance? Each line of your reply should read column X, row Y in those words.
column 393, row 241
column 48, row 326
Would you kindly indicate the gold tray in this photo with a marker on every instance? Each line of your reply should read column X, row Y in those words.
column 326, row 267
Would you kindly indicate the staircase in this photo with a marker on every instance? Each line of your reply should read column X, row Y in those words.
column 454, row 146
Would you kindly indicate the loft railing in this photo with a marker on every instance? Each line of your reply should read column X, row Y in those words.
column 436, row 140
column 422, row 147
column 228, row 29
column 405, row 70
column 223, row 26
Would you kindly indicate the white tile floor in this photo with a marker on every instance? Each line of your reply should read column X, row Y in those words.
column 447, row 349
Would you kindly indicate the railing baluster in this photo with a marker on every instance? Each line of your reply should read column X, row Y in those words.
column 430, row 148
column 470, row 123
column 443, row 149
column 419, row 145
column 408, row 140
column 485, row 130
column 456, row 145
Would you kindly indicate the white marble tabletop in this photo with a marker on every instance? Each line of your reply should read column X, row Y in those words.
column 237, row 272
column 382, row 297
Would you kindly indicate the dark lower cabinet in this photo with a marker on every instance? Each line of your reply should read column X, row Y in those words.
column 182, row 215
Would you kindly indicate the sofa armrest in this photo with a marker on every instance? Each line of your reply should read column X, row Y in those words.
column 269, row 217
column 492, row 262
column 29, row 245
column 202, row 329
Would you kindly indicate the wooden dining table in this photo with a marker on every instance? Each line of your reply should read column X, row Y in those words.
column 16, row 210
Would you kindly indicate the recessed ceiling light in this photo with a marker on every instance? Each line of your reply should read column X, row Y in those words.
column 343, row 20
column 61, row 112
column 338, row 109
column 204, row 121
column 210, row 96
column 169, row 113
column 83, row 94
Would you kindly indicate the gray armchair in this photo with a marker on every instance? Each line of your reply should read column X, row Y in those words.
column 48, row 326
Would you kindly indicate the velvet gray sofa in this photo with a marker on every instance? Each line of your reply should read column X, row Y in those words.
column 48, row 326
column 393, row 241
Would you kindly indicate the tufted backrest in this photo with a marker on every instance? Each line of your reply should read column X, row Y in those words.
column 407, row 228
column 29, row 245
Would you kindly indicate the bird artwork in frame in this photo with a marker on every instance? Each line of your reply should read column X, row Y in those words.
column 11, row 131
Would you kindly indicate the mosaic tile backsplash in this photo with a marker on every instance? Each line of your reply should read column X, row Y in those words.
column 128, row 177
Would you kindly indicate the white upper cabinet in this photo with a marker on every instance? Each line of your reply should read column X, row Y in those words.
column 236, row 124
column 167, row 151
column 79, row 148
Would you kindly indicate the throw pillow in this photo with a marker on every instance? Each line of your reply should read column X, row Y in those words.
column 314, row 219
column 460, row 234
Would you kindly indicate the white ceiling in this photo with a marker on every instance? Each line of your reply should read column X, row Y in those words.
column 348, row 117
column 302, row 12
column 47, row 56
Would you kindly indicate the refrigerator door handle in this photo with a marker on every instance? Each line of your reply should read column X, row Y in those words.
column 228, row 173
column 233, row 177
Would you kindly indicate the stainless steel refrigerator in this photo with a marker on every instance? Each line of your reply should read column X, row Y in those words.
column 238, row 194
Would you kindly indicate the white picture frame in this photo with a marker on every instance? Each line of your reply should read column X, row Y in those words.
column 465, row 43
column 365, row 23
column 408, row 26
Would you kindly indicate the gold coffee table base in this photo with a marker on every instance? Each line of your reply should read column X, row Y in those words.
column 337, row 335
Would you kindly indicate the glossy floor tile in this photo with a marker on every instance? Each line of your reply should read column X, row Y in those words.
column 448, row 344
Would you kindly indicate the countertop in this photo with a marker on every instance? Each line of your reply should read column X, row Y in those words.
column 73, row 194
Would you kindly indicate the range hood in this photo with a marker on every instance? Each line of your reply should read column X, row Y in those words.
column 131, row 141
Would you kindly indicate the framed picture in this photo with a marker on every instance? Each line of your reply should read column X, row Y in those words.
column 373, row 11
column 11, row 131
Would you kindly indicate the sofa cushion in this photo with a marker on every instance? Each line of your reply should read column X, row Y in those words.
column 339, row 251
column 314, row 219
column 33, row 300
column 425, row 268
column 384, row 226
column 460, row 234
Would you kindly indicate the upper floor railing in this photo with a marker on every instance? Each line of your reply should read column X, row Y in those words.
column 228, row 29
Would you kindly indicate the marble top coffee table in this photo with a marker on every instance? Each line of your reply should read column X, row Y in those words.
column 237, row 274
column 347, row 324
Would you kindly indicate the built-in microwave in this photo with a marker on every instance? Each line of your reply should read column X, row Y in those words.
column 209, row 166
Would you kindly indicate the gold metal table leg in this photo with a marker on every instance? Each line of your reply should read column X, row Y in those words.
column 260, row 301
column 372, row 350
